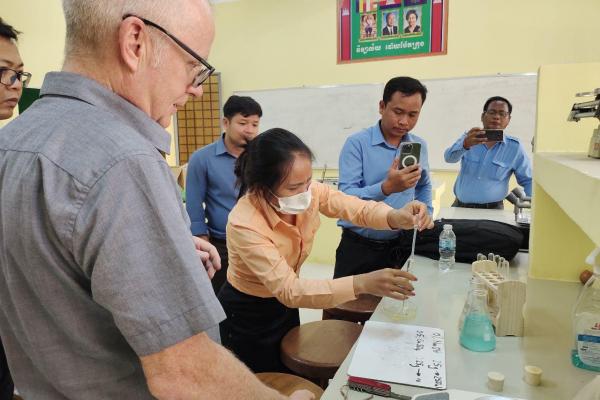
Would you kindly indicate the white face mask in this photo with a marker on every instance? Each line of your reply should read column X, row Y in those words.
column 295, row 204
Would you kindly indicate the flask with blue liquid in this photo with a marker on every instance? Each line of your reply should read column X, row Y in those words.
column 477, row 332
column 474, row 284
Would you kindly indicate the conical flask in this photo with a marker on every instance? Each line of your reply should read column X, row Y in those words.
column 474, row 284
column 477, row 333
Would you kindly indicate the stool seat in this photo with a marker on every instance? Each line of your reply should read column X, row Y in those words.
column 286, row 384
column 317, row 349
column 358, row 310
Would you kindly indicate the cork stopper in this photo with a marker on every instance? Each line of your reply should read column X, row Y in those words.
column 495, row 381
column 532, row 375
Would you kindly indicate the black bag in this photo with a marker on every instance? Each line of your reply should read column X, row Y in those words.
column 473, row 236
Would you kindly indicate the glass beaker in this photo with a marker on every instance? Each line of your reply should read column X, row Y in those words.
column 477, row 333
column 401, row 310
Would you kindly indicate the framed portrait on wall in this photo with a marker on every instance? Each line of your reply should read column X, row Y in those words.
column 380, row 29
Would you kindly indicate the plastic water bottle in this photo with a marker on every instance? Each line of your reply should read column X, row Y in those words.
column 586, row 322
column 447, row 248
column 477, row 333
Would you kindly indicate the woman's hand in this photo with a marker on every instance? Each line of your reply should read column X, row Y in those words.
column 412, row 214
column 388, row 282
column 208, row 254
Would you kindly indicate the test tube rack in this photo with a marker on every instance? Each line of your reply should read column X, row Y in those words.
column 506, row 298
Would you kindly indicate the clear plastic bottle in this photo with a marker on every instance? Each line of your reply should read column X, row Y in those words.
column 447, row 248
column 586, row 324
column 474, row 284
column 477, row 333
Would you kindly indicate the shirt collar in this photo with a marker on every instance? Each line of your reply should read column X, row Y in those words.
column 273, row 219
column 220, row 147
column 377, row 137
column 67, row 84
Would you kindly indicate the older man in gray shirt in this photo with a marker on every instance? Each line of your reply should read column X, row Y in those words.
column 102, row 292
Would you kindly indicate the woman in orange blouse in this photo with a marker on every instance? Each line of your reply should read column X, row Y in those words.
column 270, row 233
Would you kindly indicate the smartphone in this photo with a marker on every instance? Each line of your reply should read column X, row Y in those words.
column 494, row 135
column 410, row 152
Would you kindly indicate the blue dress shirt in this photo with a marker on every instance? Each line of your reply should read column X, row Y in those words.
column 364, row 163
column 485, row 173
column 211, row 190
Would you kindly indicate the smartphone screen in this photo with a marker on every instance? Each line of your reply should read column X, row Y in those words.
column 494, row 135
column 410, row 152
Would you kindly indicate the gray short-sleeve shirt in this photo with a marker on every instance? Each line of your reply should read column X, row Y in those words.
column 97, row 264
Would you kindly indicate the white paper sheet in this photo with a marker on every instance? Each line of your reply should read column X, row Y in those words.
column 406, row 354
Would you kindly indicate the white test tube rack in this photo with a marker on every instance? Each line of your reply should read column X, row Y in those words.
column 506, row 298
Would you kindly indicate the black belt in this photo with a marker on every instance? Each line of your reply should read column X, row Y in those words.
column 393, row 246
column 355, row 236
column 492, row 205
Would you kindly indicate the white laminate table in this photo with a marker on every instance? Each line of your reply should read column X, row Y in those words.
column 547, row 343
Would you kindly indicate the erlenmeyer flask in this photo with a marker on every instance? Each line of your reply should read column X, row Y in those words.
column 478, row 333
column 474, row 284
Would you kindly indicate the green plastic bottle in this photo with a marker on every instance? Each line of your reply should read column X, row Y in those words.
column 586, row 321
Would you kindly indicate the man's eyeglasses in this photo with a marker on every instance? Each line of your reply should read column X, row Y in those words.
column 8, row 77
column 501, row 114
column 206, row 70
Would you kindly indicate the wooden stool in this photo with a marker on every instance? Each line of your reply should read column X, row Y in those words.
column 359, row 310
column 317, row 349
column 286, row 384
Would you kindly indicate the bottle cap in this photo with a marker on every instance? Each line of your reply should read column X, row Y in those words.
column 495, row 381
column 591, row 259
column 532, row 375
column 447, row 226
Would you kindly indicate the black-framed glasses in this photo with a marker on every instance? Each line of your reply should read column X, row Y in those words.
column 501, row 114
column 8, row 77
column 207, row 69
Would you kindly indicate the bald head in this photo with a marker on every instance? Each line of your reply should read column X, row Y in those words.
column 152, row 58
column 92, row 25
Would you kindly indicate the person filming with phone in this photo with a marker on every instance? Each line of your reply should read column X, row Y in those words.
column 488, row 158
column 386, row 163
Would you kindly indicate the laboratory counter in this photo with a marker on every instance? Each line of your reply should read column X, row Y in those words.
column 547, row 343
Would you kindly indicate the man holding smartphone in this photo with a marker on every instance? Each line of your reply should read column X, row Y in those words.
column 488, row 160
column 370, row 169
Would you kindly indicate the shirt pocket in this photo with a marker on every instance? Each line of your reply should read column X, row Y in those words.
column 500, row 170
column 470, row 164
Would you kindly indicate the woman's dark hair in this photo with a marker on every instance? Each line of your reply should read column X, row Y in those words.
column 412, row 12
column 267, row 161
column 7, row 31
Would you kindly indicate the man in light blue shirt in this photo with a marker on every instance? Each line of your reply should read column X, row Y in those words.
column 486, row 166
column 369, row 169
column 211, row 190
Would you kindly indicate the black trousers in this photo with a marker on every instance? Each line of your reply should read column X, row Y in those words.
column 6, row 384
column 221, row 275
column 358, row 255
column 495, row 205
column 255, row 327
